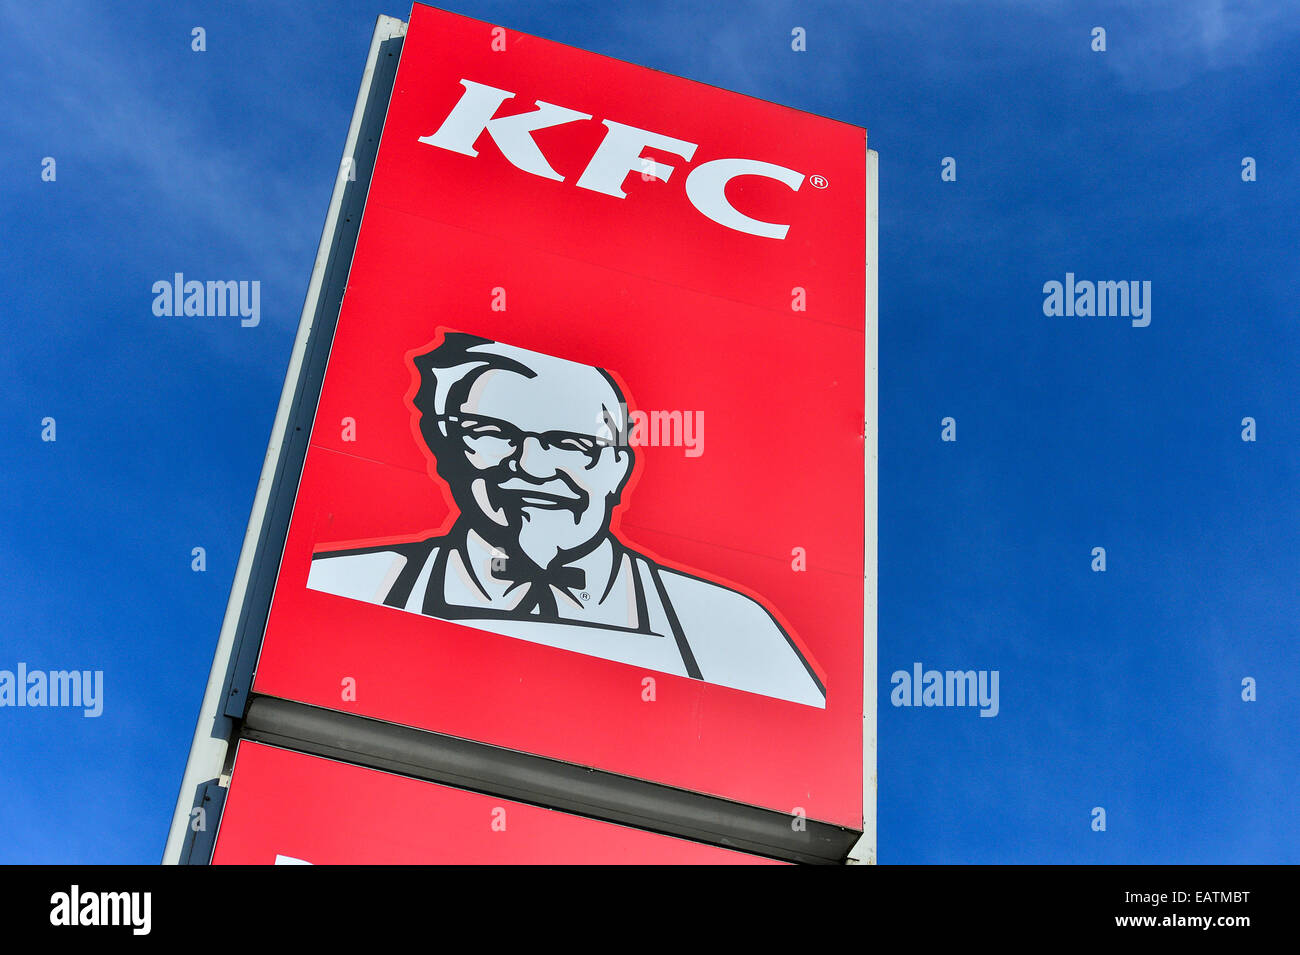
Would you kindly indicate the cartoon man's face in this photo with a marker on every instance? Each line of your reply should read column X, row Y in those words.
column 538, row 467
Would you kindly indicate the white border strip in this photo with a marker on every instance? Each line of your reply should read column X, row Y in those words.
column 208, row 750
column 864, row 852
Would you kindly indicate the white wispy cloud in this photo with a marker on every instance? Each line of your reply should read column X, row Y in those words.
column 75, row 73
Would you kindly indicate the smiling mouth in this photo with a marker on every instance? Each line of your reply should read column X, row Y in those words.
column 543, row 499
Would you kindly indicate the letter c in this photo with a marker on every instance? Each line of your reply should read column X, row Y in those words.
column 706, row 188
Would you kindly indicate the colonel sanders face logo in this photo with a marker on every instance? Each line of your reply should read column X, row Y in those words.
column 536, row 454
column 531, row 446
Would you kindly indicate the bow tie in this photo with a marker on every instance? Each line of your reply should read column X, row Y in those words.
column 539, row 581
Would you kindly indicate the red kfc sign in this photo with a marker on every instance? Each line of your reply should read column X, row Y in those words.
column 586, row 475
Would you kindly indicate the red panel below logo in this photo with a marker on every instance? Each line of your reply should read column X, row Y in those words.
column 292, row 808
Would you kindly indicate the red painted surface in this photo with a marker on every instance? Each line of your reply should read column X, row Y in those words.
column 689, row 315
column 330, row 813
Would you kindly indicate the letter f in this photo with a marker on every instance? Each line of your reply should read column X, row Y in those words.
column 512, row 134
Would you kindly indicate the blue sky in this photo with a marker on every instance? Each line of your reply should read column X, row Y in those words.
column 1119, row 689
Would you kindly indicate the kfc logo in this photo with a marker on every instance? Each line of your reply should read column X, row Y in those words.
column 618, row 154
column 534, row 451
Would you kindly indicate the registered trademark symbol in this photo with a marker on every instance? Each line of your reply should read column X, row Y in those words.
column 818, row 182
column 584, row 595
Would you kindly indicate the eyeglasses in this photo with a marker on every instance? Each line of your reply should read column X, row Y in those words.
column 492, row 437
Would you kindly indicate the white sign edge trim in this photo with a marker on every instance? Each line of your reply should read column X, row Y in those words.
column 864, row 850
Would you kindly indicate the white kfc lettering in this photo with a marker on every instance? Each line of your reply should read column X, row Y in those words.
column 706, row 187
column 618, row 154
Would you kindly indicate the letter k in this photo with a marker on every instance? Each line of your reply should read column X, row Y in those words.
column 513, row 134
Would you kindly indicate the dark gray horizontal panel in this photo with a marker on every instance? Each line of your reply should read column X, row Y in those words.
column 544, row 782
